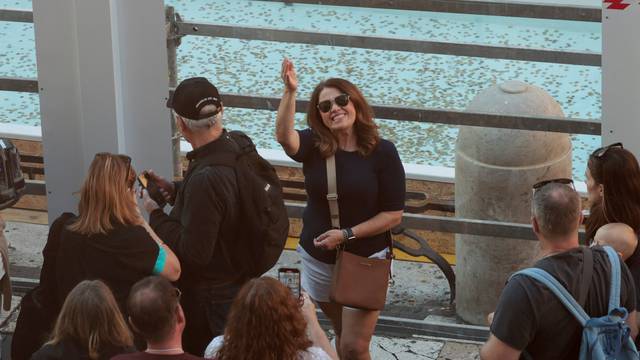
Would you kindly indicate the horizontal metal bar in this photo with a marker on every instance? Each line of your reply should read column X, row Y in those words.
column 475, row 7
column 21, row 285
column 440, row 116
column 389, row 43
column 19, row 84
column 403, row 327
column 453, row 225
column 34, row 159
column 426, row 115
column 35, row 187
column 395, row 326
column 15, row 15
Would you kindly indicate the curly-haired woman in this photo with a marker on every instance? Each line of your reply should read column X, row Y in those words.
column 267, row 322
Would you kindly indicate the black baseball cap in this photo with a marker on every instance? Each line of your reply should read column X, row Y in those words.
column 192, row 95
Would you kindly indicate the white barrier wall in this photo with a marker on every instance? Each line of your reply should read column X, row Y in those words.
column 621, row 73
column 102, row 71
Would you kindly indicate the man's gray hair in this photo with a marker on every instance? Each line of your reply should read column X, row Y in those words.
column 557, row 209
column 206, row 123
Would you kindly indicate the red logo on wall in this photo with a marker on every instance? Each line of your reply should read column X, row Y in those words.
column 616, row 4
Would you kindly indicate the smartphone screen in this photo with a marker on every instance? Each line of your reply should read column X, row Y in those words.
column 290, row 277
column 142, row 180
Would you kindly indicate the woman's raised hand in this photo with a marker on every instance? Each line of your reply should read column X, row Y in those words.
column 288, row 75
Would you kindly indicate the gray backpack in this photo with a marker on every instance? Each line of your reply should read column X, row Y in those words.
column 605, row 337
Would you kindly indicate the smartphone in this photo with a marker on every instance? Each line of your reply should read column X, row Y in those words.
column 290, row 277
column 142, row 180
column 152, row 189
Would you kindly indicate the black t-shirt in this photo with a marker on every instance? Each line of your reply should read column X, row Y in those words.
column 529, row 316
column 366, row 186
column 120, row 258
column 146, row 356
column 633, row 263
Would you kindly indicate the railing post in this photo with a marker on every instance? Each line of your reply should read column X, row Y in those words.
column 173, row 41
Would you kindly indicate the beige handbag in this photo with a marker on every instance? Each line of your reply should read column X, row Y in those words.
column 358, row 282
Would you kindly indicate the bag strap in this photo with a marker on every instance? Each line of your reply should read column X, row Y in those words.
column 614, row 291
column 332, row 198
column 561, row 293
column 332, row 192
column 587, row 273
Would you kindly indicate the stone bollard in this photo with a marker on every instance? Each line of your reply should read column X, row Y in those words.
column 495, row 171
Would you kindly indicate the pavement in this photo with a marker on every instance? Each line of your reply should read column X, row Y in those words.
column 420, row 293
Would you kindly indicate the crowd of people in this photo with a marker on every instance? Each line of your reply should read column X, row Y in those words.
column 115, row 286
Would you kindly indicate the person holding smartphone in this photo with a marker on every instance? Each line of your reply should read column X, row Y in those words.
column 269, row 322
column 370, row 185
column 206, row 217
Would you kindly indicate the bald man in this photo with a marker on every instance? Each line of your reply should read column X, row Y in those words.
column 624, row 240
column 619, row 236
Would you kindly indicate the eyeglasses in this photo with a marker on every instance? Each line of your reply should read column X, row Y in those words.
column 124, row 158
column 564, row 181
column 340, row 100
column 598, row 153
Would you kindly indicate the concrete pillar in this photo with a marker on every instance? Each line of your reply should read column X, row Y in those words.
column 620, row 74
column 495, row 170
column 102, row 71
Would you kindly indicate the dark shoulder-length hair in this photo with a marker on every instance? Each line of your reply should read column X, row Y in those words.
column 365, row 128
column 618, row 171
column 265, row 322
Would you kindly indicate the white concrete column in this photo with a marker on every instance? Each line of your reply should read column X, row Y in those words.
column 102, row 71
column 621, row 73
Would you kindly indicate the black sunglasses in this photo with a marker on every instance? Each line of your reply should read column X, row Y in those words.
column 340, row 100
column 563, row 181
column 598, row 153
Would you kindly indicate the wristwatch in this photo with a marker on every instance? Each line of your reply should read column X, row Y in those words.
column 348, row 234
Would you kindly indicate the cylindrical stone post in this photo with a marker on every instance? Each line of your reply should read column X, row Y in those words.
column 495, row 171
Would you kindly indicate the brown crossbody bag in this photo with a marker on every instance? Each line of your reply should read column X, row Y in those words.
column 358, row 282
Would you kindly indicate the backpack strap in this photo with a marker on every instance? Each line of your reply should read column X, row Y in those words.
column 587, row 273
column 563, row 295
column 614, row 291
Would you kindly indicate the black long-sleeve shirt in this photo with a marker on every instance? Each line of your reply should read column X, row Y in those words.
column 205, row 218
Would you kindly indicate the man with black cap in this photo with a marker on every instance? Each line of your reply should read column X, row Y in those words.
column 205, row 215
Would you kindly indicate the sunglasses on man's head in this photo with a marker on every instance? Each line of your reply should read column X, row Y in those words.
column 564, row 181
column 598, row 153
column 340, row 100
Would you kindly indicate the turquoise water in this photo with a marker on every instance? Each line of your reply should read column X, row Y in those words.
column 386, row 77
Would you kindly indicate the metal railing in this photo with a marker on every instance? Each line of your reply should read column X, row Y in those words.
column 178, row 28
column 538, row 10
column 424, row 115
column 15, row 15
column 389, row 43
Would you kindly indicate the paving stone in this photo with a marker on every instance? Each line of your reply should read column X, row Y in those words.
column 405, row 349
column 460, row 351
column 8, row 318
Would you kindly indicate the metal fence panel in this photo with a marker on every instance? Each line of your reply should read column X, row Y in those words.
column 389, row 43
column 475, row 7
